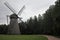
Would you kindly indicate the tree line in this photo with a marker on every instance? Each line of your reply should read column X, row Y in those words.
column 48, row 24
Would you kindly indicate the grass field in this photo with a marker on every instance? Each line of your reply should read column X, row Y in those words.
column 22, row 37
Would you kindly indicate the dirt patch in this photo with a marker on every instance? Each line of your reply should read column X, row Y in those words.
column 52, row 37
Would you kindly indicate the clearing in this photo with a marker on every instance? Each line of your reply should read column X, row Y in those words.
column 22, row 37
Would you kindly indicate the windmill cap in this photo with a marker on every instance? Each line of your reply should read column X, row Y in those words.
column 14, row 16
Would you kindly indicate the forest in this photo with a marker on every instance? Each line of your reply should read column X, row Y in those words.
column 48, row 24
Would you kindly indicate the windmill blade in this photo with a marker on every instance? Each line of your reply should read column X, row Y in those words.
column 21, row 10
column 8, row 5
column 20, row 19
column 7, row 18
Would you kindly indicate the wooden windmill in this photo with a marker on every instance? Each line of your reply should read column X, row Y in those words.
column 13, row 26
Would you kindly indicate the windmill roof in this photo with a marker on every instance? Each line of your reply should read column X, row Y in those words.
column 14, row 16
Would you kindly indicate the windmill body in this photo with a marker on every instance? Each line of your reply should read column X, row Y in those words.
column 13, row 26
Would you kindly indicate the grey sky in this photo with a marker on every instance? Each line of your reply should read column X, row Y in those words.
column 33, row 7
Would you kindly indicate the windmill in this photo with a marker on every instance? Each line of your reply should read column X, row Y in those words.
column 13, row 26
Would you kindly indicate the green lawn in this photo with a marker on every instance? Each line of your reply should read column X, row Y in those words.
column 22, row 37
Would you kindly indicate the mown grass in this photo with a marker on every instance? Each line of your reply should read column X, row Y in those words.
column 22, row 37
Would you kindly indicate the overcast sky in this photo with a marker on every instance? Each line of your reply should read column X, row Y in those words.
column 32, row 7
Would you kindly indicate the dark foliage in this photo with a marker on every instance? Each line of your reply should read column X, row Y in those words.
column 48, row 24
column 3, row 29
